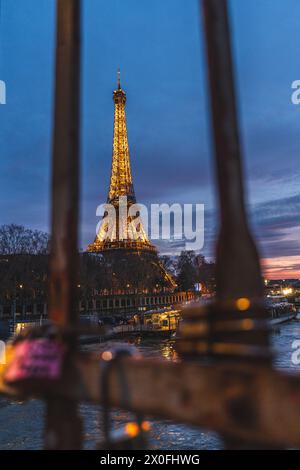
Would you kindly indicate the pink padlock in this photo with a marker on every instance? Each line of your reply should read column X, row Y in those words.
column 40, row 358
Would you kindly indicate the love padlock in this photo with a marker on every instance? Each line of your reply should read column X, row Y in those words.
column 34, row 359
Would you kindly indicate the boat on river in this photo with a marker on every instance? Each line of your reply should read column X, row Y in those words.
column 280, row 309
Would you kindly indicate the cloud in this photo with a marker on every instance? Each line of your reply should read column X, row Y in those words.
column 277, row 226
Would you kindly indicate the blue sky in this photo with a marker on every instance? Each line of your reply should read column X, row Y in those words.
column 159, row 47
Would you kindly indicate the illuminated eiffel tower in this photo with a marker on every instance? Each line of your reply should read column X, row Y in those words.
column 123, row 233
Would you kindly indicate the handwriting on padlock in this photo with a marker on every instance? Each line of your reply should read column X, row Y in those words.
column 35, row 359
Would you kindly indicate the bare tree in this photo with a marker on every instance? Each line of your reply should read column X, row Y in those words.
column 16, row 240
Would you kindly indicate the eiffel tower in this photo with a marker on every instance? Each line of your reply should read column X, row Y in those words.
column 123, row 233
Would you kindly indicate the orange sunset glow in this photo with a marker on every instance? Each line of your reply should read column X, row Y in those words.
column 283, row 267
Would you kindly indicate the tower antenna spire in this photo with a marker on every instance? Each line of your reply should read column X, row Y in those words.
column 119, row 78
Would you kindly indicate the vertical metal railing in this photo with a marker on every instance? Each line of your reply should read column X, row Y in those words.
column 63, row 428
column 239, row 296
column 238, row 275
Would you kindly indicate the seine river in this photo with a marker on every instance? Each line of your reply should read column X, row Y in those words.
column 22, row 423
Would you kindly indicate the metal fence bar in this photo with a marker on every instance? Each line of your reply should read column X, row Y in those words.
column 239, row 293
column 238, row 270
column 238, row 273
column 63, row 424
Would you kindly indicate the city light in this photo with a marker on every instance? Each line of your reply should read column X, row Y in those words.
column 287, row 291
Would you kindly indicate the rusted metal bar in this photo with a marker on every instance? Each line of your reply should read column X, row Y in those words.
column 238, row 276
column 239, row 282
column 64, row 238
column 252, row 403
column 238, row 264
column 63, row 424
